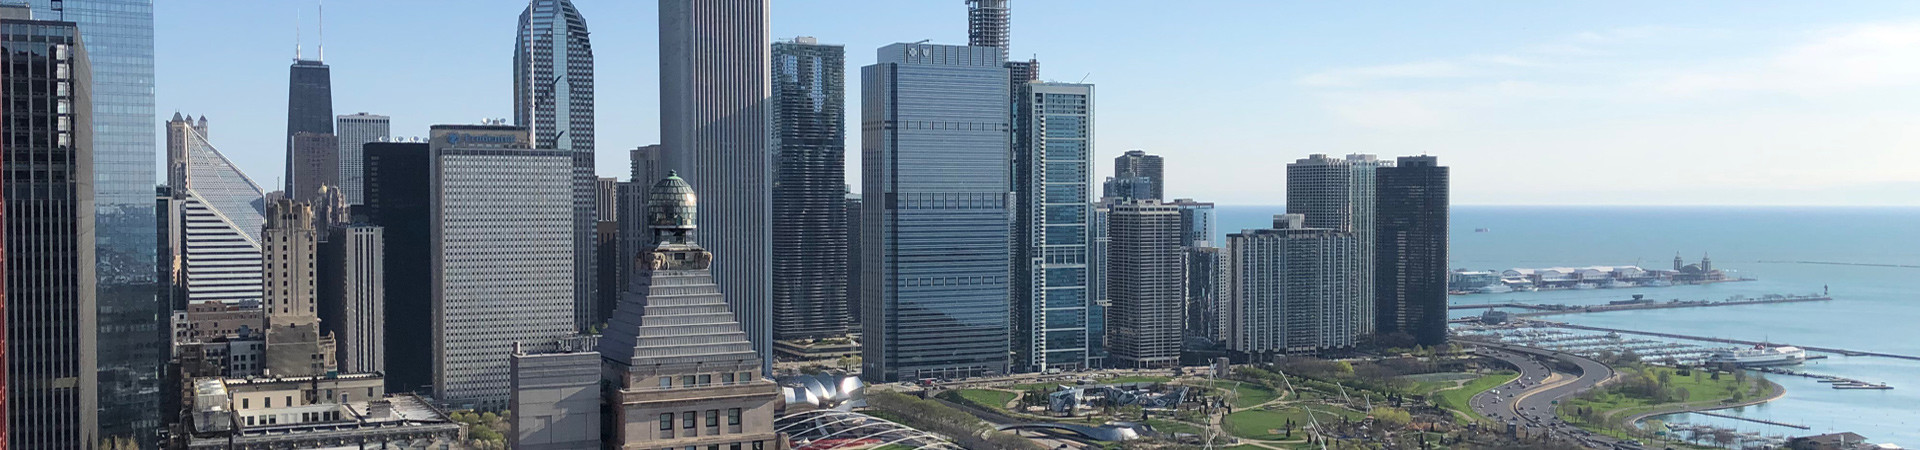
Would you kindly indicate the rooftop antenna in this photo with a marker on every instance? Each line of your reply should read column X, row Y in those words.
column 296, row 34
column 323, row 30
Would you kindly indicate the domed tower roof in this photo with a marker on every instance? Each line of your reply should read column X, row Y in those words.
column 671, row 209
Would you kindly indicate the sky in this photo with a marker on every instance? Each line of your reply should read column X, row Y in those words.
column 1530, row 103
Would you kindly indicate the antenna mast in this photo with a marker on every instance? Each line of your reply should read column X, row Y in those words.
column 323, row 30
column 296, row 34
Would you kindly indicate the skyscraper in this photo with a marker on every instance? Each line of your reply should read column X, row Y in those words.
column 309, row 110
column 1196, row 222
column 673, row 355
column 989, row 24
column 296, row 346
column 935, row 256
column 1138, row 164
column 353, row 296
column 553, row 100
column 606, row 199
column 118, row 35
column 355, row 131
column 399, row 197
column 502, row 256
column 1338, row 194
column 809, row 190
column 1052, row 179
column 216, row 213
column 1203, row 282
column 854, row 208
column 714, row 84
column 316, row 165
column 1412, row 250
column 52, row 370
column 643, row 164
column 1144, row 285
column 1291, row 289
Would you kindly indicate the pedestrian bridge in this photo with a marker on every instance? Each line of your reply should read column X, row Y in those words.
column 1119, row 431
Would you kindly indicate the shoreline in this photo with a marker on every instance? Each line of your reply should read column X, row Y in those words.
column 1779, row 392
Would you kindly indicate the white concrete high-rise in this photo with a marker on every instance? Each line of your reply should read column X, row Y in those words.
column 354, row 132
column 216, row 221
column 502, row 256
column 714, row 87
column 1291, row 289
column 1338, row 194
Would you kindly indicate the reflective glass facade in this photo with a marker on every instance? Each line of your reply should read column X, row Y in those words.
column 553, row 99
column 118, row 35
column 937, row 213
column 1052, row 172
column 809, row 190
column 52, row 392
column 221, row 212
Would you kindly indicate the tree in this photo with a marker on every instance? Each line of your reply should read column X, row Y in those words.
column 1392, row 416
column 1665, row 378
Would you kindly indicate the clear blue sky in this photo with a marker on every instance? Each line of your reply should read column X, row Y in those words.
column 1644, row 102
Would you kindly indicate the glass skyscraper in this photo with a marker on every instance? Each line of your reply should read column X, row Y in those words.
column 52, row 392
column 1338, row 194
column 937, row 222
column 118, row 35
column 809, row 190
column 1412, row 250
column 310, row 111
column 553, row 99
column 1052, row 179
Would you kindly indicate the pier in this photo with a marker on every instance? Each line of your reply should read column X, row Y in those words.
column 1548, row 310
column 1839, row 351
column 1749, row 419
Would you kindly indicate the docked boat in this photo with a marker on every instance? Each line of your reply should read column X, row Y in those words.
column 1616, row 284
column 1585, row 286
column 1496, row 288
column 1657, row 282
column 1759, row 356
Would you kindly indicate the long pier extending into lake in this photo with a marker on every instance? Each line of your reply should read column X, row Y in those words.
column 1547, row 310
column 1750, row 419
column 1727, row 341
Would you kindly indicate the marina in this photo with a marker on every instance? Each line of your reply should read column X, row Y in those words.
column 1540, row 334
column 1638, row 303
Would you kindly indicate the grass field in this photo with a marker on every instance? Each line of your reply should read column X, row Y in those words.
column 996, row 400
column 1248, row 394
column 1262, row 423
column 1700, row 389
column 1459, row 399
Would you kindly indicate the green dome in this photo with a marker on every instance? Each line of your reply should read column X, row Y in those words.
column 671, row 204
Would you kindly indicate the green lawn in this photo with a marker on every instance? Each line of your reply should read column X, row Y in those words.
column 996, row 400
column 1262, row 423
column 1166, row 426
column 1460, row 399
column 1249, row 394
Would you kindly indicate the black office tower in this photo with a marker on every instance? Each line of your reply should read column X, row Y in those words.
column 309, row 109
column 1411, row 280
column 399, row 197
column 47, row 142
column 1136, row 164
column 809, row 191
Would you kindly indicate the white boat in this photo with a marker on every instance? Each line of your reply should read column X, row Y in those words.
column 1616, row 284
column 1585, row 286
column 1657, row 282
column 1759, row 356
column 1496, row 288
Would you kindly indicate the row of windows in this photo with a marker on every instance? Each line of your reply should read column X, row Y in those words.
column 704, row 380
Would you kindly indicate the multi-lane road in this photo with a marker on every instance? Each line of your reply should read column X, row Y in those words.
column 1527, row 402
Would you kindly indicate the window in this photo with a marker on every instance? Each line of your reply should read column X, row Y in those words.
column 686, row 381
column 726, row 378
column 706, row 380
column 688, row 420
column 735, row 446
column 666, row 382
column 733, row 416
column 269, row 402
column 713, row 418
column 666, row 422
column 246, row 403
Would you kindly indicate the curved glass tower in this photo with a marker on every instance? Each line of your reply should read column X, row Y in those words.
column 553, row 99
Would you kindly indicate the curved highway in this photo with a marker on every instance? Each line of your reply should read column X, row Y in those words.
column 1528, row 401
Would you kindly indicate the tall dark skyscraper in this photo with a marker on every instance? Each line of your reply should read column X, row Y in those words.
column 118, row 35
column 399, row 194
column 714, row 84
column 309, row 110
column 316, row 163
column 1144, row 284
column 1137, row 164
column 52, row 373
column 1411, row 284
column 553, row 99
column 809, row 190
